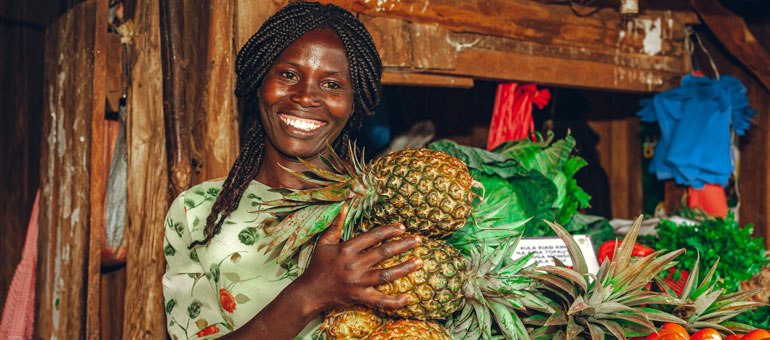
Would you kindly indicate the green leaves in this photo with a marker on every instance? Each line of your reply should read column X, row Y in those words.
column 741, row 254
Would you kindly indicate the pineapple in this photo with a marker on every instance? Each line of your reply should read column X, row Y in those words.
column 486, row 284
column 410, row 330
column 350, row 323
column 609, row 303
column 706, row 307
column 428, row 191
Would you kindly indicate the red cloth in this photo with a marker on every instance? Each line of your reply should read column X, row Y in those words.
column 711, row 199
column 512, row 116
column 19, row 312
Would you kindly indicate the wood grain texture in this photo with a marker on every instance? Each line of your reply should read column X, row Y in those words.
column 215, row 133
column 65, row 180
column 423, row 79
column 99, row 167
column 528, row 21
column 147, row 183
column 732, row 32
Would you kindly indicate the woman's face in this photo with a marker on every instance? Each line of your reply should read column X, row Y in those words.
column 306, row 97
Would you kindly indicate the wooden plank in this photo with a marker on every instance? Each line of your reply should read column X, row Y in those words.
column 147, row 182
column 99, row 170
column 506, row 66
column 422, row 79
column 174, row 71
column 732, row 31
column 216, row 131
column 113, row 284
column 65, row 180
column 392, row 37
column 249, row 16
column 535, row 21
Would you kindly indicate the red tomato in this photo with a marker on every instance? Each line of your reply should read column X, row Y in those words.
column 756, row 334
column 665, row 333
column 706, row 334
column 672, row 336
column 607, row 250
column 734, row 337
column 670, row 326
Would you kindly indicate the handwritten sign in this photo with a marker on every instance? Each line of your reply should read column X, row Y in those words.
column 546, row 248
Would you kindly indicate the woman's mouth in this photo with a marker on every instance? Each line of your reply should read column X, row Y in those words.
column 301, row 124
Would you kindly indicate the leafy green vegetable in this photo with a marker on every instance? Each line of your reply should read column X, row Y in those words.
column 553, row 160
column 740, row 255
column 759, row 318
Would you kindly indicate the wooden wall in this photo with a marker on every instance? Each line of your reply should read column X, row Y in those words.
column 22, row 36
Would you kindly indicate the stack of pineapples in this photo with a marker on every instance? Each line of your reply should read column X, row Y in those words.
column 466, row 289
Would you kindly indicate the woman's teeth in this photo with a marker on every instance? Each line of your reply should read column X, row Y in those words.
column 303, row 125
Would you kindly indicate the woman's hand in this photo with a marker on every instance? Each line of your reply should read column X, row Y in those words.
column 342, row 273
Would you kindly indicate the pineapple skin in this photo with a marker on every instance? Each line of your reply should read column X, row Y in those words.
column 410, row 329
column 436, row 287
column 352, row 322
column 428, row 191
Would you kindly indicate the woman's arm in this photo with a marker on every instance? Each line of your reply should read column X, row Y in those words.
column 338, row 274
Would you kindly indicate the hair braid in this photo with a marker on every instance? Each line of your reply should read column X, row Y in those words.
column 255, row 59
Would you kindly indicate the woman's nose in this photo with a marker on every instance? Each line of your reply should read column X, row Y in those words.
column 305, row 94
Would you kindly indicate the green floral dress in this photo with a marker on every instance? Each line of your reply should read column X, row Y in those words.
column 215, row 289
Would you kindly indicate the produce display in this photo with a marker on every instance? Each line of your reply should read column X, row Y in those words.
column 470, row 286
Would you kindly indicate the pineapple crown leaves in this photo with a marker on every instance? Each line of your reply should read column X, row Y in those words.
column 306, row 213
column 609, row 303
column 496, row 287
column 702, row 305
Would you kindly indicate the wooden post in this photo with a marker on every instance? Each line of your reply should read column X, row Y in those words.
column 147, row 182
column 68, row 106
column 99, row 167
column 215, row 129
column 174, row 71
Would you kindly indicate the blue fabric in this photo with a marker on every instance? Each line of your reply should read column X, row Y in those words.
column 695, row 121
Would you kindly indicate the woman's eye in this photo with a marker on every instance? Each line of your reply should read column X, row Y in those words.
column 332, row 85
column 288, row 75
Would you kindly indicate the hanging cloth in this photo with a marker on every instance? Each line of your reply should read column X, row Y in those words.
column 695, row 120
column 19, row 312
column 512, row 115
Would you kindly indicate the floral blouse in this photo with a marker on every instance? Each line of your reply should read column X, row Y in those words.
column 213, row 290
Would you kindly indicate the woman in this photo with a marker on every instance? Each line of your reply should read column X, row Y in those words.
column 313, row 72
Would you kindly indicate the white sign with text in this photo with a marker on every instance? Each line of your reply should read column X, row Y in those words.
column 546, row 248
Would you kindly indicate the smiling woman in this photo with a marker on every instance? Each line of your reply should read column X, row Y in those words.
column 312, row 71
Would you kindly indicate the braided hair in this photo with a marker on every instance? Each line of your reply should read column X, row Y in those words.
column 253, row 62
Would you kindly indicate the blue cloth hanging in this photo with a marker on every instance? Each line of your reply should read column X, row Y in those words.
column 695, row 121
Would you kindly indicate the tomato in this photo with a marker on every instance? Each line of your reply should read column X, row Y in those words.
column 734, row 337
column 667, row 334
column 756, row 334
column 706, row 334
column 670, row 326
column 607, row 250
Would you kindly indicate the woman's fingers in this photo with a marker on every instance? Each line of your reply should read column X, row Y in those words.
column 378, row 277
column 374, row 236
column 390, row 248
column 381, row 301
column 334, row 233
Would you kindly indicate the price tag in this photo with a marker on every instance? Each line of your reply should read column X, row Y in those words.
column 546, row 248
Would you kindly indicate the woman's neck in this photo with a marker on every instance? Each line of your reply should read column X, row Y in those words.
column 272, row 175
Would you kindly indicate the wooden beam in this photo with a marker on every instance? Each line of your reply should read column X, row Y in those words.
column 423, row 79
column 147, row 182
column 534, row 21
column 482, row 56
column 215, row 131
column 732, row 32
column 99, row 171
column 64, row 237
